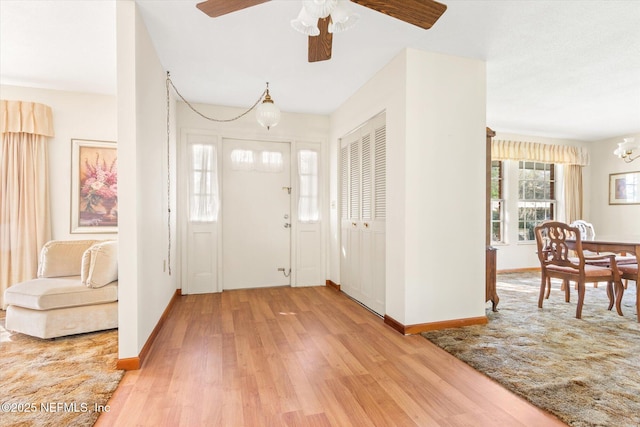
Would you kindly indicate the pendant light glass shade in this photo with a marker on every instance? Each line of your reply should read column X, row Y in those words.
column 305, row 23
column 319, row 8
column 267, row 113
column 341, row 18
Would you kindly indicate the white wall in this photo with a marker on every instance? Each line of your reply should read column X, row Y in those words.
column 75, row 116
column 445, row 195
column 145, row 286
column 611, row 220
column 513, row 254
column 435, row 204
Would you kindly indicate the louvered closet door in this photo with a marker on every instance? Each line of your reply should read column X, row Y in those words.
column 363, row 211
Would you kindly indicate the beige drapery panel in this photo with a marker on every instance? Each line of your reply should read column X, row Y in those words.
column 574, row 158
column 25, row 224
column 573, row 192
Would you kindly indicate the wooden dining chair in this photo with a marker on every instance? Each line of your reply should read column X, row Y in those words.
column 588, row 232
column 557, row 262
column 630, row 272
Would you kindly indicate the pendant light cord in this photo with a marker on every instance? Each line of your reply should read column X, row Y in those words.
column 170, row 83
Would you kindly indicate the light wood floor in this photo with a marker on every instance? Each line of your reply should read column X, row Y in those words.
column 303, row 357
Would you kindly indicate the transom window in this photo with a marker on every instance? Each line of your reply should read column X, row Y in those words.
column 536, row 197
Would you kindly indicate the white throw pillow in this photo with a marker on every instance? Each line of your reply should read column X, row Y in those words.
column 103, row 264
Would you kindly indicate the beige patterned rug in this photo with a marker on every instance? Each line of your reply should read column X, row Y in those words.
column 61, row 382
column 586, row 372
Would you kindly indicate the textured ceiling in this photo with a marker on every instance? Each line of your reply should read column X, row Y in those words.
column 566, row 69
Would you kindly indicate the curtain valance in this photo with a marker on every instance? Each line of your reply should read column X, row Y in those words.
column 26, row 117
column 534, row 151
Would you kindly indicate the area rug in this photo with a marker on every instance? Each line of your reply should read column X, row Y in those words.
column 61, row 382
column 586, row 372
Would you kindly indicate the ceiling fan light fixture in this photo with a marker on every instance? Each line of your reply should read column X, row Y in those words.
column 342, row 18
column 306, row 23
column 267, row 113
column 319, row 8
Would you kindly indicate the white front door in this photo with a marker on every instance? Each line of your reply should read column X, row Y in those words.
column 256, row 214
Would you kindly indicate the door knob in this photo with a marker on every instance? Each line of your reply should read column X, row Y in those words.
column 287, row 225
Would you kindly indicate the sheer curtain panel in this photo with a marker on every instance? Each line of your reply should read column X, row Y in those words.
column 204, row 198
column 25, row 223
column 573, row 192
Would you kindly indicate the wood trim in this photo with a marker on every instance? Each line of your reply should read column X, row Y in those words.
column 424, row 327
column 331, row 284
column 134, row 363
column 519, row 270
column 399, row 327
column 129, row 364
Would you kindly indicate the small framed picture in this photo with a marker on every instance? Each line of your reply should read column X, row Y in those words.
column 94, row 186
column 624, row 188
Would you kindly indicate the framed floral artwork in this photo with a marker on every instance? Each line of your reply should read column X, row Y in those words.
column 94, row 186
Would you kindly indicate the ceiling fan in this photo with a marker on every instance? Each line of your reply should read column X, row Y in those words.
column 422, row 13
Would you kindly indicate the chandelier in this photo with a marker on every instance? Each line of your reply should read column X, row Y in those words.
column 312, row 10
column 625, row 150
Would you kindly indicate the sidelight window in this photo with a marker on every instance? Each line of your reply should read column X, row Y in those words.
column 203, row 189
column 308, row 199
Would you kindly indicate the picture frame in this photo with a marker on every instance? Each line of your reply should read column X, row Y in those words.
column 624, row 188
column 94, row 186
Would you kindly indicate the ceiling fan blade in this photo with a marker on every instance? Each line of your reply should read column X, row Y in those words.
column 215, row 8
column 422, row 13
column 320, row 45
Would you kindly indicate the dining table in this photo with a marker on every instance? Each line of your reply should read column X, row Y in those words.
column 623, row 245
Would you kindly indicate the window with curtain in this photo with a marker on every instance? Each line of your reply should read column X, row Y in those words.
column 536, row 196
column 571, row 158
column 203, row 198
column 497, row 201
column 308, row 198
